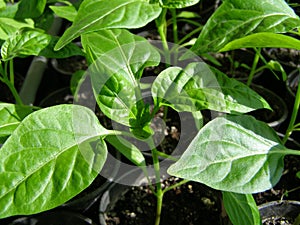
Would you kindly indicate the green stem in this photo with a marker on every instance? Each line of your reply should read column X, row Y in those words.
column 11, row 72
column 175, row 185
column 253, row 68
column 175, row 27
column 9, row 81
column 293, row 116
column 161, row 24
column 14, row 92
column 159, row 191
column 189, row 35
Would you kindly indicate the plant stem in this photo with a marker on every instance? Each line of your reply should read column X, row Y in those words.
column 159, row 191
column 175, row 27
column 175, row 185
column 11, row 72
column 254, row 66
column 189, row 35
column 293, row 116
column 14, row 92
column 161, row 24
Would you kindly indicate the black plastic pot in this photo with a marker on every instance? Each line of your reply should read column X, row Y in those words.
column 234, row 63
column 273, row 212
column 287, row 57
column 55, row 217
column 280, row 110
column 292, row 81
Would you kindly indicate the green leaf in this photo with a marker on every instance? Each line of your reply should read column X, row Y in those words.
column 11, row 115
column 53, row 155
column 178, row 3
column 34, row 42
column 235, row 19
column 241, row 208
column 129, row 150
column 263, row 40
column 24, row 44
column 9, row 26
column 118, row 60
column 30, row 9
column 68, row 12
column 197, row 87
column 235, row 154
column 96, row 15
column 9, row 11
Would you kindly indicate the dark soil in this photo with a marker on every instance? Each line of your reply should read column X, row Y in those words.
column 278, row 221
column 191, row 204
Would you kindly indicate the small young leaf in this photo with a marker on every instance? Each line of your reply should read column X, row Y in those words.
column 263, row 40
column 30, row 9
column 11, row 115
column 24, row 43
column 178, row 3
column 197, row 87
column 34, row 42
column 53, row 155
column 234, row 153
column 118, row 60
column 9, row 26
column 68, row 12
column 241, row 208
column 96, row 15
column 236, row 19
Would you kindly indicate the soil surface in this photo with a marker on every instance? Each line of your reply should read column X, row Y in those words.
column 278, row 221
column 191, row 204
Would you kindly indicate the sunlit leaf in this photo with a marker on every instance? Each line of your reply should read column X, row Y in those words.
column 53, row 155
column 235, row 154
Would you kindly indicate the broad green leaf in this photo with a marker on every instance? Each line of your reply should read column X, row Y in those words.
column 30, row 9
column 11, row 115
column 53, row 155
column 263, row 40
column 235, row 19
column 241, row 208
column 178, row 3
column 34, row 42
column 197, row 87
column 118, row 59
column 68, row 12
column 24, row 44
column 129, row 150
column 235, row 154
column 96, row 15
column 9, row 26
